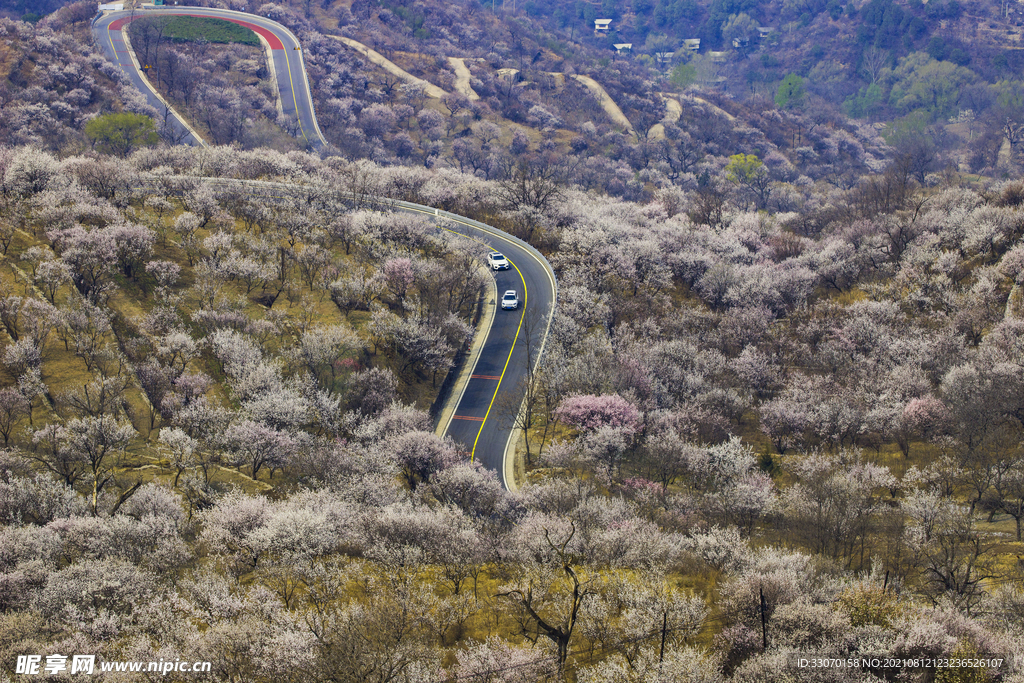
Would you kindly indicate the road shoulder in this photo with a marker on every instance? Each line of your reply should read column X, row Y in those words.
column 145, row 79
column 483, row 329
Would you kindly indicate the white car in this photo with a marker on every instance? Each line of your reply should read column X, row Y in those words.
column 510, row 300
column 497, row 261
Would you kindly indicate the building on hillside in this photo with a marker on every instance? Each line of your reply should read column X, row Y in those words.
column 664, row 57
column 602, row 26
column 764, row 31
column 692, row 44
column 623, row 47
column 739, row 43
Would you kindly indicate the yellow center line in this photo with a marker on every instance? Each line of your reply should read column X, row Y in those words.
column 526, row 294
column 501, row 377
column 113, row 50
column 295, row 100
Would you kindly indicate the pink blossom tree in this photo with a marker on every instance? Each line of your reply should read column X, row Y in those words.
column 926, row 417
column 133, row 245
column 91, row 255
column 590, row 412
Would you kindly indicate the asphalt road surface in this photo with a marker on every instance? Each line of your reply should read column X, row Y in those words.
column 296, row 101
column 484, row 420
column 483, row 423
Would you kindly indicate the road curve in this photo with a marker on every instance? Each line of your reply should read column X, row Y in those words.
column 293, row 84
column 483, row 423
column 484, row 419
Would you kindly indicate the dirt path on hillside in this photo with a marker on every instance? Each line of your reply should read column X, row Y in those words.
column 595, row 88
column 606, row 102
column 1005, row 150
column 463, row 85
column 673, row 110
column 380, row 60
column 1015, row 303
column 712, row 107
column 462, row 77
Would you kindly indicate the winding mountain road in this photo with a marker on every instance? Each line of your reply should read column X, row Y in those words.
column 293, row 85
column 484, row 415
column 484, row 418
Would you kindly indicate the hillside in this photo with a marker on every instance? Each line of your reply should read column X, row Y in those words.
column 779, row 409
column 215, row 73
column 52, row 81
column 941, row 76
column 234, row 371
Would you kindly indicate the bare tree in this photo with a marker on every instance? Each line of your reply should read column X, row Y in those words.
column 873, row 62
column 957, row 560
column 13, row 406
column 1008, row 489
column 1013, row 133
column 530, row 182
column 455, row 103
column 49, row 452
column 530, row 404
column 388, row 83
column 550, row 600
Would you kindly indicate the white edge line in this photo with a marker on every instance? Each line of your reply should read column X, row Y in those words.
column 470, row 223
column 302, row 63
column 309, row 91
column 145, row 79
column 470, row 367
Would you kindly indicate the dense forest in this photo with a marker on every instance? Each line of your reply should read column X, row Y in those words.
column 779, row 412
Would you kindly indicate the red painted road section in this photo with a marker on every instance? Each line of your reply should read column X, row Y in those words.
column 275, row 42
